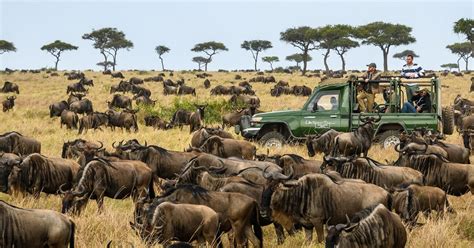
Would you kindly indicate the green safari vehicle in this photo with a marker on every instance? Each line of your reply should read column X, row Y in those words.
column 333, row 105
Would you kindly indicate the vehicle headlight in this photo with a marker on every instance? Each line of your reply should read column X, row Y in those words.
column 256, row 119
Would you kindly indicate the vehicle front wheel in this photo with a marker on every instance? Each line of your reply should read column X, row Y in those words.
column 388, row 138
column 272, row 139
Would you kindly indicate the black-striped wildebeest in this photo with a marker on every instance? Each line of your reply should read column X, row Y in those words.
column 14, row 142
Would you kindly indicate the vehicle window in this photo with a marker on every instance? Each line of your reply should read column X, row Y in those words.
column 326, row 101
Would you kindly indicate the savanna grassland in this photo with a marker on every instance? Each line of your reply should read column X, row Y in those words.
column 31, row 118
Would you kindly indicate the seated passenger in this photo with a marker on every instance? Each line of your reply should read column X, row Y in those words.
column 420, row 103
column 334, row 105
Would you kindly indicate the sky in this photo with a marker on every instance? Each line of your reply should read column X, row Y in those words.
column 181, row 24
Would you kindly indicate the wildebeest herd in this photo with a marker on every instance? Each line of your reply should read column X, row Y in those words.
column 220, row 184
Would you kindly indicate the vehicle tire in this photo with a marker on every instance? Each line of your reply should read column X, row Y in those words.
column 272, row 139
column 448, row 120
column 388, row 138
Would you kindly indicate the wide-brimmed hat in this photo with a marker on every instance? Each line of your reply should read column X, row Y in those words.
column 372, row 65
column 422, row 90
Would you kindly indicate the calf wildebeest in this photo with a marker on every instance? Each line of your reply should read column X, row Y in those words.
column 375, row 226
column 74, row 97
column 186, row 90
column 180, row 118
column 207, row 84
column 143, row 100
column 358, row 141
column 156, row 122
column 57, row 108
column 226, row 148
column 196, row 118
column 34, row 228
column 316, row 199
column 117, row 75
column 76, row 87
column 120, row 101
column 321, row 143
column 7, row 162
column 10, row 87
column 83, row 106
column 237, row 212
column 168, row 222
column 232, row 119
column 201, row 135
column 220, row 90
column 169, row 90
column 140, row 91
column 135, row 80
column 409, row 200
column 14, row 142
column 125, row 119
column 70, row 119
column 42, row 174
column 9, row 103
column 115, row 179
column 372, row 171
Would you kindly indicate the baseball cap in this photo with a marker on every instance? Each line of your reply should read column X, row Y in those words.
column 372, row 65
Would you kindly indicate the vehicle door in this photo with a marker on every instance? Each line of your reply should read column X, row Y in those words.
column 322, row 113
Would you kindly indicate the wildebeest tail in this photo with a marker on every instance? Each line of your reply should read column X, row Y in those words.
column 81, row 126
column 257, row 229
column 151, row 189
column 72, row 234
column 135, row 122
column 336, row 146
column 389, row 202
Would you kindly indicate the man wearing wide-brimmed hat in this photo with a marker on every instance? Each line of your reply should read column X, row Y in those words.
column 420, row 103
column 365, row 89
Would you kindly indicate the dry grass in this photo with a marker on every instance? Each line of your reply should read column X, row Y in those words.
column 31, row 118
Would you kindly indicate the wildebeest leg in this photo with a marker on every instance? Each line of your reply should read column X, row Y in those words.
column 308, row 233
column 251, row 236
column 280, row 233
column 318, row 225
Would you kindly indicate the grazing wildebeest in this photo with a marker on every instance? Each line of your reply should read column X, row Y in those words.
column 237, row 212
column 125, row 119
column 169, row 90
column 75, row 75
column 220, row 90
column 76, row 87
column 140, row 91
column 207, row 84
column 180, row 118
column 186, row 90
column 92, row 121
column 316, row 199
column 226, row 148
column 117, row 75
column 14, row 142
column 120, row 101
column 135, row 80
column 301, row 90
column 153, row 79
column 101, row 178
column 86, row 81
column 57, row 108
column 10, row 87
column 246, row 99
column 232, row 119
column 358, row 141
column 70, row 119
column 196, row 118
column 168, row 222
column 375, row 226
column 143, row 100
column 83, row 106
column 9, row 103
column 34, row 228
column 42, row 174
column 321, row 143
column 74, row 97
column 297, row 166
column 7, row 162
column 156, row 122
column 201, row 135
column 123, row 86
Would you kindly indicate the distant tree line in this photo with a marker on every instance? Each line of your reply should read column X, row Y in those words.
column 338, row 39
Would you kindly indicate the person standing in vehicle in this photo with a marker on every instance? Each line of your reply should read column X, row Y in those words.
column 365, row 89
column 411, row 70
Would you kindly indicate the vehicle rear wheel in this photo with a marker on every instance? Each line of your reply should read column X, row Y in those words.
column 388, row 138
column 272, row 139
column 448, row 120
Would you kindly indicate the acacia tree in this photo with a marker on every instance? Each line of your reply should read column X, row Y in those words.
column 463, row 50
column 403, row 55
column 109, row 41
column 336, row 37
column 201, row 61
column 271, row 60
column 56, row 48
column 210, row 48
column 162, row 50
column 255, row 47
column 303, row 38
column 385, row 35
column 298, row 58
column 342, row 46
column 6, row 46
column 466, row 27
column 450, row 66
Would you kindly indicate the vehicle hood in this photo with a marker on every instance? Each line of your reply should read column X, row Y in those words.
column 280, row 113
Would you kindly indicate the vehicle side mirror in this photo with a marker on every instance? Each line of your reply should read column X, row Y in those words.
column 315, row 108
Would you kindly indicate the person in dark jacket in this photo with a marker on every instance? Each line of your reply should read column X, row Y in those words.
column 420, row 103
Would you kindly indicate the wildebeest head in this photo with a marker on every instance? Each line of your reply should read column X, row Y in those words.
column 7, row 162
column 334, row 232
column 73, row 200
column 193, row 170
column 200, row 109
column 131, row 149
column 273, row 180
column 329, row 160
column 214, row 146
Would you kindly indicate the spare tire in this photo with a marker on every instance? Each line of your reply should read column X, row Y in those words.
column 448, row 120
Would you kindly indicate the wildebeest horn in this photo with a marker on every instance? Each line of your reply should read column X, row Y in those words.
column 146, row 144
column 397, row 148
column 61, row 189
column 113, row 145
column 101, row 145
column 348, row 220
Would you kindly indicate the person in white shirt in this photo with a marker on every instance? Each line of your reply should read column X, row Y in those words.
column 411, row 70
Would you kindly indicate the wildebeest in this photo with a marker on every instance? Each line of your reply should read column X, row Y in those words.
column 86, row 81
column 169, row 90
column 115, row 179
column 70, row 119
column 154, row 79
column 246, row 99
column 7, row 162
column 456, row 179
column 375, row 226
column 76, row 87
column 156, row 122
column 180, row 118
column 125, row 119
column 226, row 148
column 34, row 228
column 358, row 141
column 186, row 90
column 75, row 75
column 316, row 199
column 9, row 103
column 196, row 118
column 201, row 135
column 42, row 174
column 117, row 75
column 237, row 212
column 123, row 86
column 83, row 106
column 140, row 91
column 93, row 121
column 167, row 222
column 280, row 90
column 232, row 119
column 302, row 90
column 71, row 149
column 135, row 80
column 57, row 108
column 409, row 200
column 220, row 90
column 321, row 143
column 10, row 87
column 74, row 97
column 14, row 142
column 372, row 171
column 143, row 100
column 120, row 101
column 207, row 84
column 297, row 166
